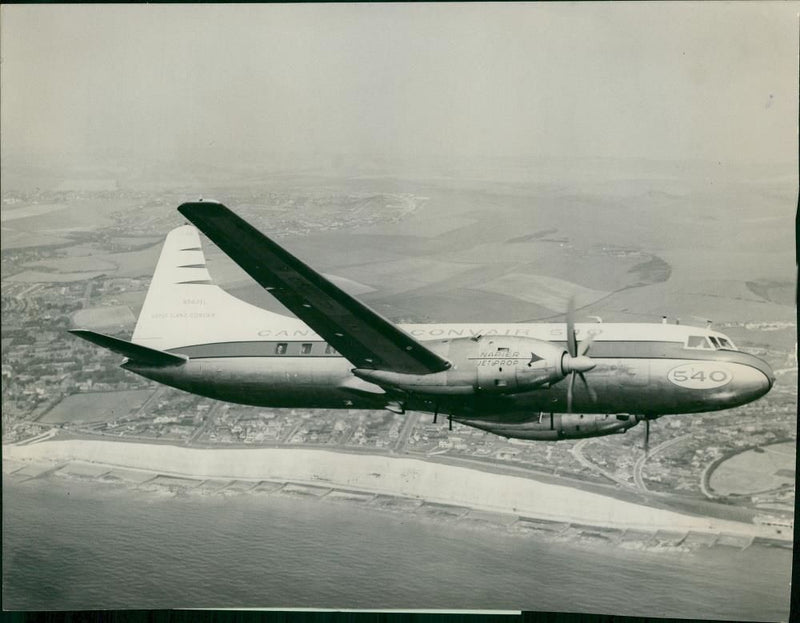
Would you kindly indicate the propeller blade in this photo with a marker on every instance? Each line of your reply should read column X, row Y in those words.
column 646, row 436
column 572, row 342
column 575, row 362
column 585, row 346
column 570, row 387
column 592, row 393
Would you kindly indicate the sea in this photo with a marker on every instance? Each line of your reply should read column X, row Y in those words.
column 73, row 544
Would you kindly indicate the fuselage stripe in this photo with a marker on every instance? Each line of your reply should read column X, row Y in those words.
column 616, row 349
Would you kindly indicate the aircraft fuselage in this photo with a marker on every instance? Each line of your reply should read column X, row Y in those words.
column 645, row 370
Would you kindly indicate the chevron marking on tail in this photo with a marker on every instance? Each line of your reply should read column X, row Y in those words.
column 184, row 307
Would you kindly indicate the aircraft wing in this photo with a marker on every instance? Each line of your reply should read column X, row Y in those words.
column 360, row 334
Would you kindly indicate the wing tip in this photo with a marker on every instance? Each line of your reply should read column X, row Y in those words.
column 199, row 208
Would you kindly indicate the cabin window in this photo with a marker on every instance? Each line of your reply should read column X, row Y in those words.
column 280, row 348
column 305, row 349
column 329, row 350
column 500, row 383
column 714, row 341
column 503, row 350
column 698, row 341
column 723, row 343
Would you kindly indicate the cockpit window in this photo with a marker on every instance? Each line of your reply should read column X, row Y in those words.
column 698, row 341
column 709, row 342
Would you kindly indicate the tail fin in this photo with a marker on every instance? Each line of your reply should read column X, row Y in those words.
column 135, row 352
column 183, row 307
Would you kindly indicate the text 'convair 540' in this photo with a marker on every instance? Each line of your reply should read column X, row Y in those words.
column 532, row 381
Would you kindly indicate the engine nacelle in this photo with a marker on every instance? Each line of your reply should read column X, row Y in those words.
column 485, row 364
column 555, row 426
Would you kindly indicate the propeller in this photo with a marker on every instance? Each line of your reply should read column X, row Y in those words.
column 576, row 361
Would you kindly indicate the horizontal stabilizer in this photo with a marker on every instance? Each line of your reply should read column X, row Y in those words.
column 134, row 352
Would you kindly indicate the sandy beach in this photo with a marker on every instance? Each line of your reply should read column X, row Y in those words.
column 398, row 476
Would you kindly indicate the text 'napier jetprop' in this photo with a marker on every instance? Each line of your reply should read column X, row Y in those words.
column 515, row 380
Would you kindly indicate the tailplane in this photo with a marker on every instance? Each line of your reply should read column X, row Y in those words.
column 134, row 352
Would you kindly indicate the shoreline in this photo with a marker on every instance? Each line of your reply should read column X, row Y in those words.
column 417, row 480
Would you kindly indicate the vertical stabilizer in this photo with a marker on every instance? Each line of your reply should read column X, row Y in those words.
column 183, row 306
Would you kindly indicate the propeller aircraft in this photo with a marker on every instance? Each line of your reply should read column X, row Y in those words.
column 514, row 380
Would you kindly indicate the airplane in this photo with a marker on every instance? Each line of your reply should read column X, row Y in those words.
column 513, row 380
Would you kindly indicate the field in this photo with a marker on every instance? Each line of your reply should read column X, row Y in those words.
column 13, row 239
column 757, row 470
column 12, row 214
column 136, row 263
column 781, row 292
column 548, row 292
column 47, row 224
column 104, row 318
column 36, row 276
column 428, row 225
column 96, row 407
column 79, row 215
column 405, row 274
column 135, row 243
column 75, row 264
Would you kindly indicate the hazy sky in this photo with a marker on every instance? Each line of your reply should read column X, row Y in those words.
column 663, row 81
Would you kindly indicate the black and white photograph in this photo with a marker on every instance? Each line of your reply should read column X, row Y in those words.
column 395, row 306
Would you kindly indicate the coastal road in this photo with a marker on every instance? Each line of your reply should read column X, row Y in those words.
column 405, row 431
column 577, row 452
column 159, row 391
column 639, row 465
column 704, row 478
column 208, row 420
column 48, row 434
column 295, row 427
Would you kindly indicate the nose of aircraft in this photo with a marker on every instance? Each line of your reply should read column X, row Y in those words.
column 756, row 379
